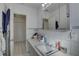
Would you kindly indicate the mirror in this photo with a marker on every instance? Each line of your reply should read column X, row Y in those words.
column 56, row 16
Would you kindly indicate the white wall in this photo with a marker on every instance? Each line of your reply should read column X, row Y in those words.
column 41, row 14
column 2, row 41
column 1, row 9
column 74, row 14
column 74, row 26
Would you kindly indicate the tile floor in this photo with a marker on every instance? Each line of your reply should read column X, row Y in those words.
column 20, row 49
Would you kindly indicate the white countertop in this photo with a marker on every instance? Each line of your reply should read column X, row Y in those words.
column 35, row 42
column 59, row 53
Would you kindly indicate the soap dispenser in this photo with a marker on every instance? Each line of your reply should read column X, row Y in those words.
column 58, row 46
column 45, row 40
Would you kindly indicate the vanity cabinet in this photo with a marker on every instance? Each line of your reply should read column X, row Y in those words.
column 31, row 50
column 54, row 16
column 74, row 51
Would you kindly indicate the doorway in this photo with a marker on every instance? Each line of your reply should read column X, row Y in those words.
column 19, row 35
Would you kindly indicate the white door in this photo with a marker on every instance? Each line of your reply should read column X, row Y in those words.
column 19, row 34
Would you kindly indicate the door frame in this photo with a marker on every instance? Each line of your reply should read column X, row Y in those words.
column 24, row 22
column 12, row 31
column 25, row 26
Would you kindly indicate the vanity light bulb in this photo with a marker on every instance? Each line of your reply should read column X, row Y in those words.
column 43, row 5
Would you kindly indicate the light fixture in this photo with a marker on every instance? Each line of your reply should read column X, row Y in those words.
column 45, row 5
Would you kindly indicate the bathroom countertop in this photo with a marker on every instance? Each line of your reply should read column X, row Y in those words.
column 33, row 43
column 59, row 53
column 41, row 50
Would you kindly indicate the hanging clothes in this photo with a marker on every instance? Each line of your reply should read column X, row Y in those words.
column 6, row 33
column 4, row 22
column 7, row 17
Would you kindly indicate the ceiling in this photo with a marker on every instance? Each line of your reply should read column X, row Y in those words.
column 34, row 5
column 52, row 7
column 38, row 5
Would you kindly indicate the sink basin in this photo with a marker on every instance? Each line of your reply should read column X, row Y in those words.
column 45, row 49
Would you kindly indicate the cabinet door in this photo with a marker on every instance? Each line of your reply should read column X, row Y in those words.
column 66, row 44
column 54, row 16
column 63, row 17
column 74, row 48
column 31, row 50
column 52, row 23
